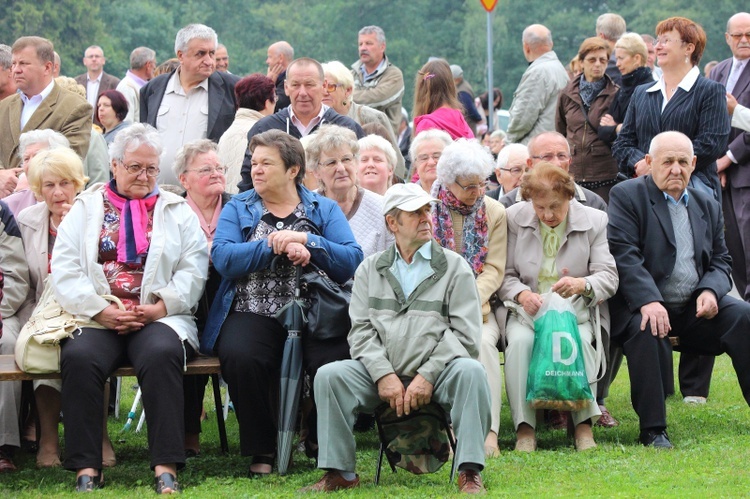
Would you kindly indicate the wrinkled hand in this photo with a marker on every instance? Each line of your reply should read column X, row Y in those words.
column 150, row 313
column 23, row 182
column 706, row 305
column 657, row 315
column 418, row 394
column 607, row 120
column 65, row 209
column 391, row 390
column 731, row 103
column 569, row 286
column 279, row 240
column 723, row 163
column 641, row 168
column 122, row 321
column 8, row 181
column 298, row 254
column 531, row 302
column 274, row 71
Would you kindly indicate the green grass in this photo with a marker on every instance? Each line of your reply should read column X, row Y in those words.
column 711, row 456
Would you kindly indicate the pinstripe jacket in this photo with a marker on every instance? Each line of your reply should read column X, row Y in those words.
column 700, row 113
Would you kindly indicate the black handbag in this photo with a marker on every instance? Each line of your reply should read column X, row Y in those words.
column 328, row 315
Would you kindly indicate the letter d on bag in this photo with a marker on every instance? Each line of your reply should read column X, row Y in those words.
column 557, row 338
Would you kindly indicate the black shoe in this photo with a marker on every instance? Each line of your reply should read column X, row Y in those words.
column 365, row 422
column 657, row 439
column 87, row 483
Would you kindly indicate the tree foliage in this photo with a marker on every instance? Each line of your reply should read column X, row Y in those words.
column 415, row 29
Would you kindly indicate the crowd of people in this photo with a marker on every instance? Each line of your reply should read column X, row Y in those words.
column 193, row 197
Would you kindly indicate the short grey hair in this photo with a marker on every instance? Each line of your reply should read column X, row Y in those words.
column 499, row 133
column 377, row 30
column 191, row 32
column 329, row 137
column 431, row 134
column 93, row 47
column 285, row 49
column 504, row 155
column 141, row 56
column 133, row 137
column 612, row 26
column 52, row 138
column 463, row 158
column 382, row 145
column 340, row 72
column 531, row 38
column 6, row 57
column 187, row 153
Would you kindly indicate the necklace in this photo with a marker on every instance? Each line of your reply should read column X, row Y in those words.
column 52, row 224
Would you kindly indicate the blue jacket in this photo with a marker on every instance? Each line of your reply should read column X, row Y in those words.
column 234, row 256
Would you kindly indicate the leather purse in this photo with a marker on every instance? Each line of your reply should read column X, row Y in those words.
column 328, row 314
column 37, row 348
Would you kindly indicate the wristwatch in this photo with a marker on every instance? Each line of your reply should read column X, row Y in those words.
column 588, row 290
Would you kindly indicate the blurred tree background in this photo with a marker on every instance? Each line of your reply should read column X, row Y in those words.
column 415, row 29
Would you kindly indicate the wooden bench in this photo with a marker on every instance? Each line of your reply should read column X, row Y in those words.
column 9, row 371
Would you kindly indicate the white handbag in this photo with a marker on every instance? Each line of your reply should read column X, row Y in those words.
column 38, row 344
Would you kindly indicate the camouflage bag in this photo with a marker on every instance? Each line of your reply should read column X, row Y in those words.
column 418, row 442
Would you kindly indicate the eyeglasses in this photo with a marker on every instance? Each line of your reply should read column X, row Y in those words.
column 561, row 156
column 331, row 87
column 208, row 170
column 346, row 162
column 137, row 169
column 665, row 40
column 738, row 36
column 515, row 171
column 424, row 157
column 470, row 187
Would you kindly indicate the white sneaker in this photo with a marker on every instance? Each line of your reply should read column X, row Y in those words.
column 694, row 399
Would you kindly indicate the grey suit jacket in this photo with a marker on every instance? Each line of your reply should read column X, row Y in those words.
column 739, row 141
column 221, row 101
column 108, row 82
column 61, row 111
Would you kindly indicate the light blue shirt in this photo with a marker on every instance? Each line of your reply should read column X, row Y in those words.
column 31, row 104
column 411, row 275
column 684, row 198
column 369, row 76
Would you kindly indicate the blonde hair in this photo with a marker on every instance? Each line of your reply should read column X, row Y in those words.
column 633, row 44
column 61, row 162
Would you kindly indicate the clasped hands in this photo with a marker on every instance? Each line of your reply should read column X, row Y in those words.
column 292, row 244
column 132, row 318
column 706, row 307
column 566, row 287
column 404, row 400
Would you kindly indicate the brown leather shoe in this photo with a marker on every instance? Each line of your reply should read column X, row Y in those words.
column 470, row 482
column 331, row 481
column 606, row 420
column 6, row 463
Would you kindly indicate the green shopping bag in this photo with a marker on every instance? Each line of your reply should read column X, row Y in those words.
column 557, row 373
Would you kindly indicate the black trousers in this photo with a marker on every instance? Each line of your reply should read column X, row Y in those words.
column 250, row 349
column 648, row 356
column 87, row 360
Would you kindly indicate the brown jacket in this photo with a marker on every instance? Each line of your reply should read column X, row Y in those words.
column 62, row 111
column 592, row 158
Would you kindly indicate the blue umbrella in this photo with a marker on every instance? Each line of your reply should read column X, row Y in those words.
column 292, row 317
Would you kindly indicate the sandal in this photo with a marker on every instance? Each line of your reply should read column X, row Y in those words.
column 260, row 460
column 88, row 483
column 166, row 483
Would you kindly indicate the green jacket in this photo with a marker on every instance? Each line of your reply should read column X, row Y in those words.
column 440, row 321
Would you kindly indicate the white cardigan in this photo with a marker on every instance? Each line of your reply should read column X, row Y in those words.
column 176, row 267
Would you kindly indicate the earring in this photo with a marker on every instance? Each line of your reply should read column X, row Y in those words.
column 687, row 59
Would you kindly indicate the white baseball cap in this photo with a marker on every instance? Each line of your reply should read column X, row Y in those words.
column 406, row 197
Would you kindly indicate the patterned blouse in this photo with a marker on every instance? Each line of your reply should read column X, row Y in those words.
column 124, row 280
column 264, row 292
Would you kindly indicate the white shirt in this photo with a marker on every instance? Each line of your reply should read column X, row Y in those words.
column 31, row 104
column 686, row 84
column 182, row 118
column 305, row 130
column 92, row 89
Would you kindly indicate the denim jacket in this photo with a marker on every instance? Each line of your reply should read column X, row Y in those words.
column 234, row 256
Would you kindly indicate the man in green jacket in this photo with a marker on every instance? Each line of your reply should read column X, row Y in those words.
column 416, row 329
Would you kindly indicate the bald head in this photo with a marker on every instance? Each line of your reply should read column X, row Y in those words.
column 537, row 41
column 280, row 53
column 671, row 161
column 670, row 140
column 551, row 147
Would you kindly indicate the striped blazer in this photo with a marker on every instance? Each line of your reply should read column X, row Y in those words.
column 701, row 114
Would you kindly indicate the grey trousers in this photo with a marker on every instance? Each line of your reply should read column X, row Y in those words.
column 344, row 388
column 10, row 391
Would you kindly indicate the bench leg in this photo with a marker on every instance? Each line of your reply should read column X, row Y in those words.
column 219, row 414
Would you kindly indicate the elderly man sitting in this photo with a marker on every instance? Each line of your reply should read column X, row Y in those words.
column 416, row 330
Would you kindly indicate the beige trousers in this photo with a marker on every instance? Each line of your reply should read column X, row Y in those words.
column 489, row 356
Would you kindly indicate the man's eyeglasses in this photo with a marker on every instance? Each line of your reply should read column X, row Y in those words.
column 137, row 169
column 738, row 36
column 515, row 171
column 561, row 156
column 208, row 170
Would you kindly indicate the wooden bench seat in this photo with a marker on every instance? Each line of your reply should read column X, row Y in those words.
column 9, row 371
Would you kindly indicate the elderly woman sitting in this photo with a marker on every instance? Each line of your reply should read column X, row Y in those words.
column 555, row 245
column 377, row 159
column 425, row 152
column 473, row 225
column 127, row 238
column 333, row 157
column 200, row 172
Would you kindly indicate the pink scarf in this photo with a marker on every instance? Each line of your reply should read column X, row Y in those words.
column 133, row 244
